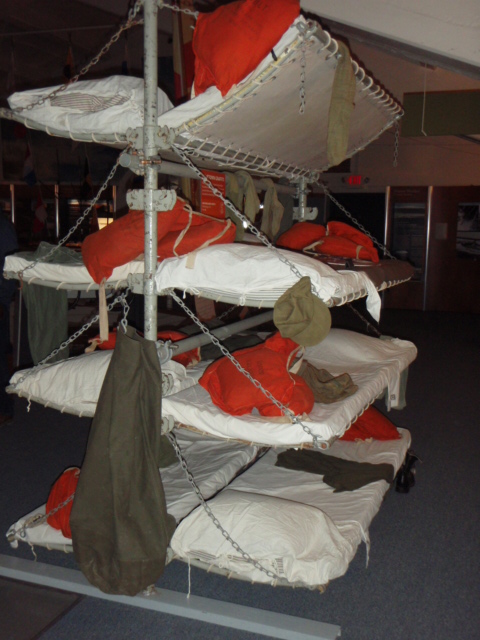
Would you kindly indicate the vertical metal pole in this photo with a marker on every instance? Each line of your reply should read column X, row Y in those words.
column 427, row 247
column 150, row 37
column 57, row 211
column 12, row 203
column 388, row 222
column 302, row 198
column 19, row 327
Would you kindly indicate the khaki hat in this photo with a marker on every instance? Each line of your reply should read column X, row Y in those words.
column 301, row 316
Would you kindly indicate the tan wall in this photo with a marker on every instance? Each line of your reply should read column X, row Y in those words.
column 438, row 161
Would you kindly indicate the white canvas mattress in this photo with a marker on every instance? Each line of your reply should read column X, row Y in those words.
column 373, row 364
column 291, row 522
column 217, row 130
column 67, row 276
column 73, row 386
column 249, row 274
column 255, row 275
column 212, row 462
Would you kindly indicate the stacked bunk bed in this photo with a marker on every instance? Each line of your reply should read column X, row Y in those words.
column 279, row 524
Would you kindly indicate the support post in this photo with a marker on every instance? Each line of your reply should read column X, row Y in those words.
column 150, row 10
column 57, row 212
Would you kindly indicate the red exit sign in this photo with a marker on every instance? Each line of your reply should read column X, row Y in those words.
column 354, row 181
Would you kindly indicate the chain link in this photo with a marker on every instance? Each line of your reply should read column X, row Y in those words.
column 126, row 310
column 318, row 443
column 356, row 222
column 130, row 22
column 303, row 67
column 69, row 341
column 75, row 226
column 238, row 214
column 173, row 7
column 369, row 325
column 246, row 556
column 396, row 144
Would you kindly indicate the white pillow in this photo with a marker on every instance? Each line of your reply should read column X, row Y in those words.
column 106, row 106
column 295, row 541
column 74, row 385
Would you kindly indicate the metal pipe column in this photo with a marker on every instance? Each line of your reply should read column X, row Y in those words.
column 150, row 46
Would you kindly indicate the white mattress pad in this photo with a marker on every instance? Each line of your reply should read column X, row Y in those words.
column 291, row 522
column 67, row 276
column 73, row 386
column 257, row 275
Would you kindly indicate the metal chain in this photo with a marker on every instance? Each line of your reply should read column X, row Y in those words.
column 226, row 313
column 370, row 326
column 126, row 309
column 356, row 222
column 246, row 556
column 396, row 144
column 318, row 443
column 173, row 7
column 71, row 339
column 39, row 518
column 76, row 225
column 237, row 213
column 303, row 67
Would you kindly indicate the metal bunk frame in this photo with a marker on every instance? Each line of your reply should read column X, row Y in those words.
column 202, row 609
column 211, row 611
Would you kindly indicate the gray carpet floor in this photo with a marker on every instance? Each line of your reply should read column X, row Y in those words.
column 423, row 578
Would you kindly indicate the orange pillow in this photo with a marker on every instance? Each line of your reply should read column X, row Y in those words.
column 63, row 488
column 108, row 344
column 345, row 248
column 230, row 42
column 301, row 235
column 371, row 424
column 336, row 228
column 196, row 237
column 268, row 363
column 189, row 358
column 123, row 240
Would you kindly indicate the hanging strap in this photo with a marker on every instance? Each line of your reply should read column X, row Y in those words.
column 102, row 312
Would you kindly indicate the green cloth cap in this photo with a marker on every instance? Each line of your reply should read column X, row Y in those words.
column 301, row 316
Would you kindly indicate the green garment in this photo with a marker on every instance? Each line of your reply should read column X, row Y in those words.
column 327, row 388
column 272, row 211
column 342, row 475
column 341, row 107
column 241, row 192
column 300, row 315
column 119, row 521
column 47, row 308
column 47, row 321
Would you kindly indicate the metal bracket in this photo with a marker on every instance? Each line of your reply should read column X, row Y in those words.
column 168, row 424
column 307, row 213
column 164, row 138
column 163, row 199
column 132, row 161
